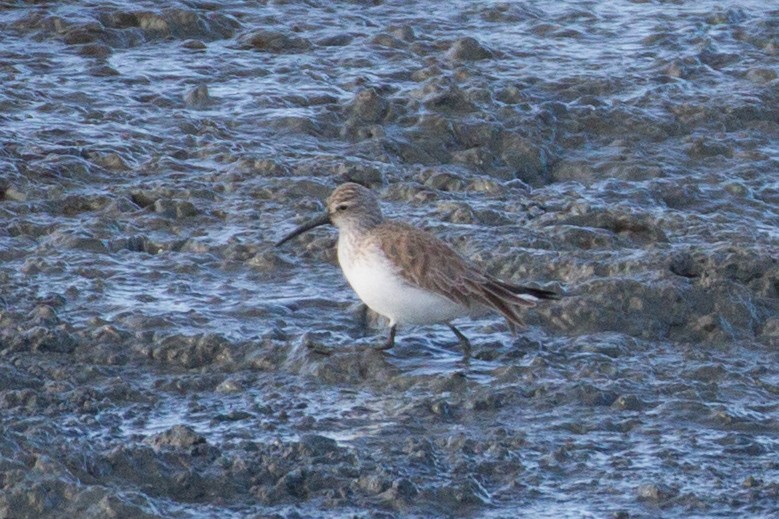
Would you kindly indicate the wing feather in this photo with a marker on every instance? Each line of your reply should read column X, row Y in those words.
column 431, row 264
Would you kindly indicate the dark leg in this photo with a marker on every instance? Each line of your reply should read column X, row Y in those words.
column 363, row 317
column 463, row 340
column 391, row 339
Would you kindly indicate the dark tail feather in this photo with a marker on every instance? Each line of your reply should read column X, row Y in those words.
column 506, row 302
column 539, row 293
column 494, row 301
column 507, row 298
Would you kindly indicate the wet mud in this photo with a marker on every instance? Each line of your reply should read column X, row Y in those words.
column 160, row 358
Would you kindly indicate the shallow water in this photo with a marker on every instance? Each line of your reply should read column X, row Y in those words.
column 161, row 359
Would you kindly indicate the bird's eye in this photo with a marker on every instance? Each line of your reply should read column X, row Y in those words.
column 342, row 207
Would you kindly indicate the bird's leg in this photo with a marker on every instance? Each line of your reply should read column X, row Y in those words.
column 363, row 317
column 463, row 340
column 391, row 339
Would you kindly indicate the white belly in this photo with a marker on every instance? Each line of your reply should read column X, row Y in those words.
column 386, row 293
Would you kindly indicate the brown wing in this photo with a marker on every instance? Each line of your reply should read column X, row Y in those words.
column 431, row 264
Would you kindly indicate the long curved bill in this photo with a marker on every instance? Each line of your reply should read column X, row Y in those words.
column 316, row 222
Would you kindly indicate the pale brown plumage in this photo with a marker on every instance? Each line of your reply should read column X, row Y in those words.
column 407, row 267
column 431, row 264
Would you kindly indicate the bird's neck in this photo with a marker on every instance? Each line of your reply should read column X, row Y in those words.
column 360, row 225
column 353, row 236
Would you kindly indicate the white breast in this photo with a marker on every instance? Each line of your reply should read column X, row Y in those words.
column 378, row 284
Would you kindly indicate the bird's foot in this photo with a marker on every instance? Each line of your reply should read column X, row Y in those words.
column 357, row 348
column 319, row 349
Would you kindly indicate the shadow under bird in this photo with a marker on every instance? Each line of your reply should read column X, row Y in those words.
column 408, row 275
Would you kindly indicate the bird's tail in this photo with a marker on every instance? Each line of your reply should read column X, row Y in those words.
column 531, row 294
column 507, row 299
